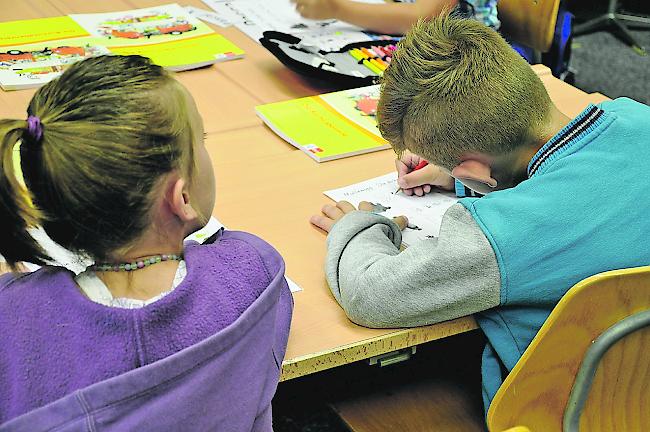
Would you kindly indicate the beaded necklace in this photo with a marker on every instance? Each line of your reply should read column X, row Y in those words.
column 136, row 265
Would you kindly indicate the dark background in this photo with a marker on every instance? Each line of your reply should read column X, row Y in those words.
column 605, row 64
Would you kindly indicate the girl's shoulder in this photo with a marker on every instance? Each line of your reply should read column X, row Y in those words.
column 236, row 248
column 232, row 271
column 39, row 279
column 30, row 294
column 236, row 252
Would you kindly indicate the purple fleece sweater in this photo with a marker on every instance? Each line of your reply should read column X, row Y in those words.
column 55, row 341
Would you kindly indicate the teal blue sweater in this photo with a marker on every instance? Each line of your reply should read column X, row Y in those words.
column 583, row 210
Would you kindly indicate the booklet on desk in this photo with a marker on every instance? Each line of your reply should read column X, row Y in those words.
column 33, row 52
column 329, row 126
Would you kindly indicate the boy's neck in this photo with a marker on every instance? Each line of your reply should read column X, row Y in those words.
column 555, row 123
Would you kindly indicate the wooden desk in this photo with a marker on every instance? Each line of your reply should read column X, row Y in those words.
column 269, row 188
column 224, row 103
column 278, row 209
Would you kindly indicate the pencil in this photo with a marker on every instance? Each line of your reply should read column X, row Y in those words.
column 367, row 52
column 378, row 65
column 363, row 59
column 383, row 64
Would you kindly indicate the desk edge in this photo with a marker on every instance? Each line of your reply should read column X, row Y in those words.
column 361, row 350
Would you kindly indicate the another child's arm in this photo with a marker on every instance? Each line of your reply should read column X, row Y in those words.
column 433, row 280
column 390, row 18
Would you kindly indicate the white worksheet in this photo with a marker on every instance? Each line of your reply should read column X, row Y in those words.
column 424, row 213
column 254, row 17
column 207, row 16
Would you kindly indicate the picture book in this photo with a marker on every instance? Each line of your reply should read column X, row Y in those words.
column 33, row 52
column 424, row 213
column 329, row 126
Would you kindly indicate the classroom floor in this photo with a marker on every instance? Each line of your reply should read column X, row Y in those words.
column 604, row 63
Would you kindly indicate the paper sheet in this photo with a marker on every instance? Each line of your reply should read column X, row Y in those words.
column 210, row 17
column 424, row 213
column 294, row 287
column 255, row 17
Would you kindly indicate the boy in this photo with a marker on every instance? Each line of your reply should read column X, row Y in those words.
column 564, row 197
column 396, row 18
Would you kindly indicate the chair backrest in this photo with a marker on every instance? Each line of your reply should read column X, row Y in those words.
column 536, row 391
column 529, row 22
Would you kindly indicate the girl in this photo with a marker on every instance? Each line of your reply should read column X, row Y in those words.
column 157, row 333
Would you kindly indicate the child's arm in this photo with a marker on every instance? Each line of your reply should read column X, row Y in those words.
column 422, row 181
column 433, row 280
column 390, row 18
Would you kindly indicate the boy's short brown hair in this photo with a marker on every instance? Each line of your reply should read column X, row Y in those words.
column 454, row 87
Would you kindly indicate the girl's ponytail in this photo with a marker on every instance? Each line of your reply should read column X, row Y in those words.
column 17, row 212
column 112, row 126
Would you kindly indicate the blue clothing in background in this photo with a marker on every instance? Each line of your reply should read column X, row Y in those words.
column 484, row 11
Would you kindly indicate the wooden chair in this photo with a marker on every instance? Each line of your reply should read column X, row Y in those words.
column 529, row 22
column 551, row 387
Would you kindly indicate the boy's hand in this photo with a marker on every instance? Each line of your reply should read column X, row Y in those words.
column 331, row 214
column 422, row 181
column 316, row 9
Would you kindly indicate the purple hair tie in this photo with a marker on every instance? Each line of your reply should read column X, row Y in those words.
column 34, row 127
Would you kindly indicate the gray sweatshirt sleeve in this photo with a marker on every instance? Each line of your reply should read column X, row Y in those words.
column 438, row 279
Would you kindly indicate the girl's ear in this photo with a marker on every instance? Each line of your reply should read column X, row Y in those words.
column 179, row 201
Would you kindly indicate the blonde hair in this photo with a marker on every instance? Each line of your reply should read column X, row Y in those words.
column 112, row 126
column 455, row 86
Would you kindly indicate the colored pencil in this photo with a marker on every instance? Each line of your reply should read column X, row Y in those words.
column 363, row 59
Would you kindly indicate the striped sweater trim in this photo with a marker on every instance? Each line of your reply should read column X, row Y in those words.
column 574, row 131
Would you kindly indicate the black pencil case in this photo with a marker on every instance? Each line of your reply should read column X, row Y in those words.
column 338, row 67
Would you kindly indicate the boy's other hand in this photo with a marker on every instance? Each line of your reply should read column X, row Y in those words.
column 316, row 9
column 332, row 213
column 422, row 181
